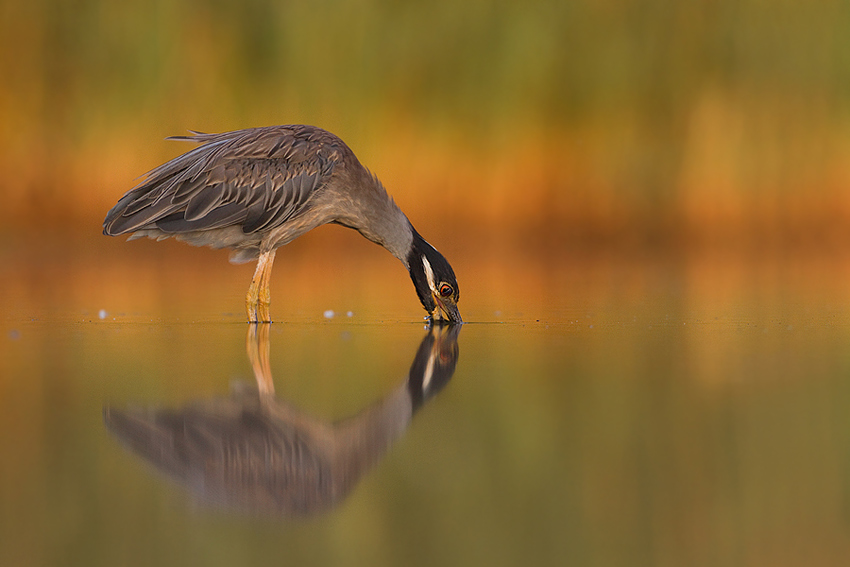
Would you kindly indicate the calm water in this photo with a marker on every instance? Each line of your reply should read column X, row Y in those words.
column 623, row 412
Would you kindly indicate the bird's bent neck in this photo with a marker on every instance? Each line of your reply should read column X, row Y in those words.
column 376, row 216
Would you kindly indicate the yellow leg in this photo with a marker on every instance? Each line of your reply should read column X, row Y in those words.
column 259, row 297
column 265, row 294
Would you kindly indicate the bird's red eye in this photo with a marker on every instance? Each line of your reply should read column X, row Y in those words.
column 446, row 290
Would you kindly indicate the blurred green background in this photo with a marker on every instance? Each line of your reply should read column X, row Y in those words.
column 603, row 121
column 646, row 204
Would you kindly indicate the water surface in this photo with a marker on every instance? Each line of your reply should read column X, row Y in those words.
column 619, row 412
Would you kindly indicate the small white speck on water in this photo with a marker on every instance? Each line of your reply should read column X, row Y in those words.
column 329, row 314
column 349, row 313
column 102, row 314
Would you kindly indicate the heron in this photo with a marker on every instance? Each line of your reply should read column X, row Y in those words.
column 255, row 190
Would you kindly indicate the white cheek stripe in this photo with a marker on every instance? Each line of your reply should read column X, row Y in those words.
column 429, row 273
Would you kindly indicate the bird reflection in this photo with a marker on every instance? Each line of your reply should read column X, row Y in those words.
column 257, row 453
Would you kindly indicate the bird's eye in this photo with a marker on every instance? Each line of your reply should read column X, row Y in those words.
column 446, row 290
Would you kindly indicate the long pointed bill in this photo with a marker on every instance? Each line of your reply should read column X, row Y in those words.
column 444, row 311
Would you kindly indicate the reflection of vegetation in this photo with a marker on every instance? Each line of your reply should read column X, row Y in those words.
column 656, row 105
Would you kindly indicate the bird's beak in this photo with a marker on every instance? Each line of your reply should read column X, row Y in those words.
column 445, row 310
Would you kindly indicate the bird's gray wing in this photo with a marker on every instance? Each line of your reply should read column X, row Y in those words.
column 256, row 179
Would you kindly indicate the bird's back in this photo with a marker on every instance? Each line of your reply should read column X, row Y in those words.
column 253, row 180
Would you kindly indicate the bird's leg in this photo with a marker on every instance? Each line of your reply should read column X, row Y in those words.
column 251, row 298
column 259, row 297
column 264, row 294
column 257, row 345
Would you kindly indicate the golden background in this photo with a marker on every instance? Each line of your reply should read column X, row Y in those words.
column 595, row 122
column 652, row 195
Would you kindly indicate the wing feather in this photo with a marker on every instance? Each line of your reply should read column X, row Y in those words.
column 257, row 179
column 223, row 216
column 204, row 201
column 186, row 191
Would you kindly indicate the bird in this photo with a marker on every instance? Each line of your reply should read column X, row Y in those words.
column 257, row 189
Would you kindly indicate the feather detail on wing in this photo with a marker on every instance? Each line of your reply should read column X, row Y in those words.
column 256, row 179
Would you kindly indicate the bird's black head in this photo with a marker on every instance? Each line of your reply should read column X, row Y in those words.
column 434, row 281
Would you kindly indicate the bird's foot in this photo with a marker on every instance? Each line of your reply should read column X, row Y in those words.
column 258, row 312
column 263, row 312
column 257, row 305
column 264, row 300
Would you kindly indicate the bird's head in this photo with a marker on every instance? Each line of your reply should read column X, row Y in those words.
column 434, row 281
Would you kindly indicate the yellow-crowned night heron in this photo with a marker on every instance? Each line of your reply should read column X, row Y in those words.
column 255, row 190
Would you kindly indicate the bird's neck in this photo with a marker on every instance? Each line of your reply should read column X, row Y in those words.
column 380, row 220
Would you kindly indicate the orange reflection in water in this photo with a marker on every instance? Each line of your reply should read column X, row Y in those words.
column 699, row 391
column 513, row 277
